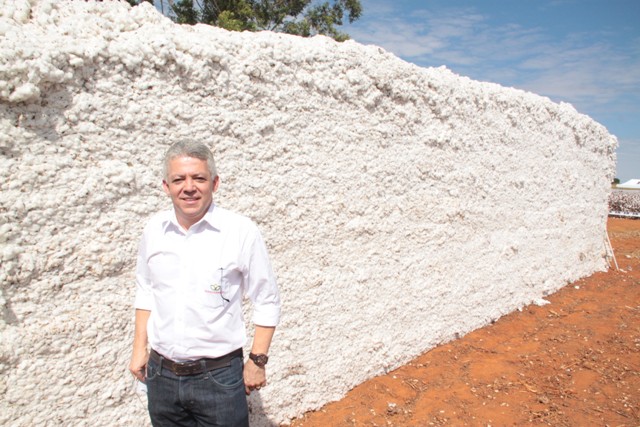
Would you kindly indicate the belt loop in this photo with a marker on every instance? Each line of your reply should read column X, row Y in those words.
column 203, row 365
column 160, row 363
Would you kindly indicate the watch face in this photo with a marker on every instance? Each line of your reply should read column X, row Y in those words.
column 260, row 359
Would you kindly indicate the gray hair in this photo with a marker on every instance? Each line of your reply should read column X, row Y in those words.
column 189, row 149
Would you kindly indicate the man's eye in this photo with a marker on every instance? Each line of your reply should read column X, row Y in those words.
column 177, row 180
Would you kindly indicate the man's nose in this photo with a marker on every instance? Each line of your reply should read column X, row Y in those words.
column 189, row 185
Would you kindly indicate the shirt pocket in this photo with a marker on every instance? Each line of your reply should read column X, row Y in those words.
column 212, row 288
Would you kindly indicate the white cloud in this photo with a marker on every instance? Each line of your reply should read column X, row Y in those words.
column 402, row 38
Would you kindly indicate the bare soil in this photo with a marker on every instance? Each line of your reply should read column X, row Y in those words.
column 573, row 362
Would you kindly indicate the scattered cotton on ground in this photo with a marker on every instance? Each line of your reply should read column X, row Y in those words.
column 402, row 206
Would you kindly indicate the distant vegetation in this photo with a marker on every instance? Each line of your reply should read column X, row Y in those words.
column 299, row 17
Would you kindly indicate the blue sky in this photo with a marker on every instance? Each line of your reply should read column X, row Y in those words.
column 584, row 52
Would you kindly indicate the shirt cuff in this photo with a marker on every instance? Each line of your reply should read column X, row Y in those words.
column 143, row 302
column 268, row 315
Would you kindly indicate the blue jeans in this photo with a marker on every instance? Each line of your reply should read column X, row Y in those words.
column 214, row 398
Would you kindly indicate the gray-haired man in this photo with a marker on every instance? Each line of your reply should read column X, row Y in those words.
column 195, row 264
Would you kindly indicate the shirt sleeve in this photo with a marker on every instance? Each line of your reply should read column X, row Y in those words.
column 261, row 286
column 144, row 297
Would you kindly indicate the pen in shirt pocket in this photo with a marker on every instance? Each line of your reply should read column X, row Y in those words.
column 221, row 286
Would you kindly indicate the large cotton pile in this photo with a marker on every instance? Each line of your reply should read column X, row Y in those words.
column 402, row 206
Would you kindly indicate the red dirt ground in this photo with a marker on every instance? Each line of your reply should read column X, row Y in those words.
column 573, row 362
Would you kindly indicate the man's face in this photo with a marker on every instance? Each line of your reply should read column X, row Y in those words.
column 190, row 187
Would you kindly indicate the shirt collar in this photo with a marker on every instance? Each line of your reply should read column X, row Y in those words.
column 211, row 218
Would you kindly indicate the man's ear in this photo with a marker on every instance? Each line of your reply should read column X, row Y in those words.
column 165, row 187
column 216, row 183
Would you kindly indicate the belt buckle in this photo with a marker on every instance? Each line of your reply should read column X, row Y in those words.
column 186, row 368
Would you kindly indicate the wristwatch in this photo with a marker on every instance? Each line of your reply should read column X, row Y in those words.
column 259, row 359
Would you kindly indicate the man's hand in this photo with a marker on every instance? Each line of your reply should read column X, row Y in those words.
column 254, row 377
column 138, row 364
column 139, row 355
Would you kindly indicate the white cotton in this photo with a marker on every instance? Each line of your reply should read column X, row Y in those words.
column 402, row 206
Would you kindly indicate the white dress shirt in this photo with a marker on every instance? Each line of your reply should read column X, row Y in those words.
column 193, row 282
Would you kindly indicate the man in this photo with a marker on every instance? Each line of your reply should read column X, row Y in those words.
column 195, row 264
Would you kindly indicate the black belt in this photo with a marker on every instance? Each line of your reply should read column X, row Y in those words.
column 194, row 367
